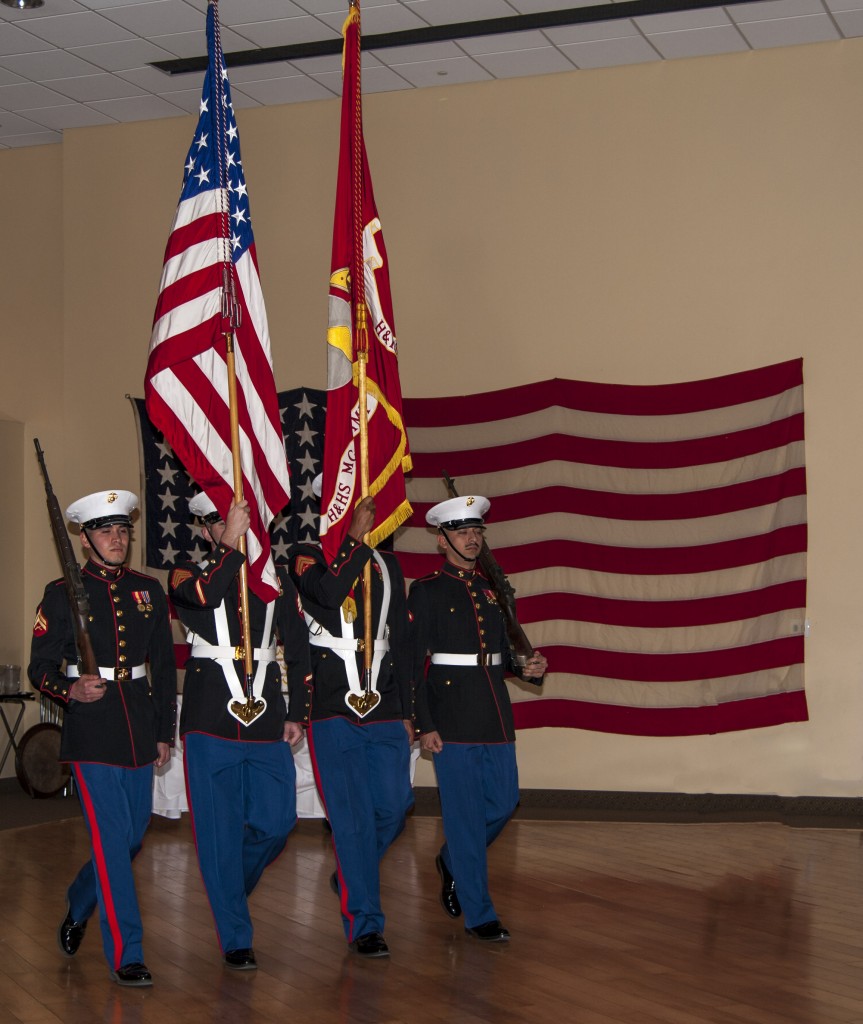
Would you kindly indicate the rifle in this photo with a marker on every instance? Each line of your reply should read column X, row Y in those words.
column 79, row 603
column 518, row 641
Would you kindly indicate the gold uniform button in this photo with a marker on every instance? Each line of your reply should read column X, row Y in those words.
column 121, row 629
column 119, row 611
column 447, row 682
column 122, row 643
column 113, row 586
column 122, row 657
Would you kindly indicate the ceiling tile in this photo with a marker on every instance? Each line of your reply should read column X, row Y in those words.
column 9, row 77
column 75, row 115
column 51, row 8
column 43, row 138
column 679, row 21
column 261, row 72
column 101, row 5
column 450, row 12
column 130, row 53
column 380, row 79
column 443, row 72
column 16, row 40
column 378, row 19
column 97, row 87
column 617, row 29
column 607, row 53
column 774, row 9
column 194, row 44
column 376, row 79
column 413, row 54
column 542, row 61
column 15, row 124
column 816, row 28
column 234, row 11
column 323, row 6
column 23, row 97
column 159, row 17
column 152, row 80
column 700, row 42
column 47, row 65
column 137, row 108
column 189, row 100
column 850, row 22
column 287, row 90
column 844, row 5
column 286, row 31
column 241, row 102
column 540, row 6
column 78, row 29
column 504, row 43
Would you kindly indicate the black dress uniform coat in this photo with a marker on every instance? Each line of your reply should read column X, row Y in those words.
column 128, row 626
column 197, row 590
column 323, row 589
column 456, row 611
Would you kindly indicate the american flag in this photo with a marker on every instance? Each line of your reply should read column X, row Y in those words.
column 655, row 537
column 360, row 288
column 170, row 535
column 210, row 263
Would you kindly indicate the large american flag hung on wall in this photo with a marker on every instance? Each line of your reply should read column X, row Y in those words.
column 210, row 289
column 655, row 536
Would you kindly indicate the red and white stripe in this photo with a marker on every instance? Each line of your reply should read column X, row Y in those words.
column 655, row 537
column 187, row 382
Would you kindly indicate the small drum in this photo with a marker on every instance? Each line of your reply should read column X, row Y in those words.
column 37, row 767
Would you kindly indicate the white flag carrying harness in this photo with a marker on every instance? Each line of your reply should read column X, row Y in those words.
column 347, row 645
column 224, row 655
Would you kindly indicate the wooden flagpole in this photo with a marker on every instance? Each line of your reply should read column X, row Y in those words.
column 361, row 338
column 231, row 316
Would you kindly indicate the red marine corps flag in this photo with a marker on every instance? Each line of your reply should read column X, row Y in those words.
column 209, row 383
column 362, row 454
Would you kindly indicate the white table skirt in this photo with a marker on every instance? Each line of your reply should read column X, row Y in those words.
column 169, row 782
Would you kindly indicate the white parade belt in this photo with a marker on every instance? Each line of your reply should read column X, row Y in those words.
column 345, row 643
column 483, row 658
column 201, row 649
column 121, row 674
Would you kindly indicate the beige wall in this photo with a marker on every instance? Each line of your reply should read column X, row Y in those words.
column 643, row 224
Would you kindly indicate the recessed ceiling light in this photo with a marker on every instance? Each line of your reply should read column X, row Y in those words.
column 23, row 5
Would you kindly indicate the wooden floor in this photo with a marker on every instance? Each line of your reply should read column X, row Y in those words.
column 634, row 923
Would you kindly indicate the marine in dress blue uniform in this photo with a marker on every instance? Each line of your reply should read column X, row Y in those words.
column 463, row 709
column 240, row 773
column 116, row 725
column 361, row 761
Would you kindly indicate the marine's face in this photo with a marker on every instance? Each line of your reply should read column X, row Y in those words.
column 107, row 545
column 215, row 531
column 464, row 545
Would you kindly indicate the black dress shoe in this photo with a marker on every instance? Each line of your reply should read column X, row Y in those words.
column 240, row 959
column 490, row 931
column 70, row 933
column 334, row 882
column 448, row 895
column 371, row 945
column 133, row 976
